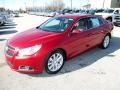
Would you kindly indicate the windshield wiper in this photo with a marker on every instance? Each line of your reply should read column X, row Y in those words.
column 46, row 30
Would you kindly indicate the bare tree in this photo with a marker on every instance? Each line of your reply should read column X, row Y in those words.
column 118, row 3
column 56, row 5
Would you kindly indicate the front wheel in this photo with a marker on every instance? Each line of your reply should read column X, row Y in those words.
column 105, row 43
column 54, row 62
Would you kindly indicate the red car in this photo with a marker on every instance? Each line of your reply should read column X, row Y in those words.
column 57, row 40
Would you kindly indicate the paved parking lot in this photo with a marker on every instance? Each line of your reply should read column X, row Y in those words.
column 96, row 69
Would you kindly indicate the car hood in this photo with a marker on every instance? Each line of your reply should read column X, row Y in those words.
column 31, row 37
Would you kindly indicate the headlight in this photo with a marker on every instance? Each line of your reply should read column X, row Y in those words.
column 29, row 51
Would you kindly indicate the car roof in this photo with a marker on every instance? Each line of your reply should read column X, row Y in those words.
column 76, row 16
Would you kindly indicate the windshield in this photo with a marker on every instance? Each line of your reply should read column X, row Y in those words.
column 108, row 11
column 57, row 24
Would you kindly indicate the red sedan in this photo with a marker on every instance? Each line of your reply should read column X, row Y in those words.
column 60, row 38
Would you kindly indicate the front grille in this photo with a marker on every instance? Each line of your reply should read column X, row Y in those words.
column 11, row 47
column 117, row 17
column 9, row 53
column 10, row 50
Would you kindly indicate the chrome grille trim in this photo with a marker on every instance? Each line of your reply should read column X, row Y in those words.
column 10, row 47
column 9, row 50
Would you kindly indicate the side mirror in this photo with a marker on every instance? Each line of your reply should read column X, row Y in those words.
column 76, row 31
column 37, row 27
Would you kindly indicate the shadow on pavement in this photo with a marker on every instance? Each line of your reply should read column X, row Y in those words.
column 117, row 26
column 2, row 39
column 7, row 27
column 8, row 32
column 10, row 24
column 86, row 59
column 2, row 64
column 18, row 16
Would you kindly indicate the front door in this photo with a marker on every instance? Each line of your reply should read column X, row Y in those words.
column 79, row 42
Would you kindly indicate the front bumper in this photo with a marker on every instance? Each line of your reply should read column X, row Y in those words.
column 16, row 64
column 116, row 23
column 28, row 64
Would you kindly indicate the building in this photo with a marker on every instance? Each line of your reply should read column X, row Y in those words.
column 115, row 3
column 103, row 4
column 87, row 6
column 2, row 9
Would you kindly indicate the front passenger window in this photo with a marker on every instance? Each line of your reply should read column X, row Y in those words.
column 81, row 25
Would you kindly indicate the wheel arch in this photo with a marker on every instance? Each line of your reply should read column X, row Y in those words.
column 63, row 50
column 109, row 34
column 50, row 53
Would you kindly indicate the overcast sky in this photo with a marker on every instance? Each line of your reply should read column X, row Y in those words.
column 16, row 4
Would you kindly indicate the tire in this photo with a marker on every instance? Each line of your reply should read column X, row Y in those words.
column 52, row 66
column 115, row 24
column 3, row 24
column 0, row 24
column 105, row 43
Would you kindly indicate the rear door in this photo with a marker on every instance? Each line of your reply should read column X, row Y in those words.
column 94, row 30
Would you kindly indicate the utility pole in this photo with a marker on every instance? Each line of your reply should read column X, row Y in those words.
column 71, row 4
column 45, row 5
column 59, row 4
column 25, row 6
column 53, row 4
column 103, row 3
column 33, row 3
column 3, row 4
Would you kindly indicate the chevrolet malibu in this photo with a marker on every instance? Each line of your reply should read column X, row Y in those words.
column 57, row 40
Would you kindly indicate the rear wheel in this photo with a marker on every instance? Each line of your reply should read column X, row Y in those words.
column 54, row 62
column 105, row 43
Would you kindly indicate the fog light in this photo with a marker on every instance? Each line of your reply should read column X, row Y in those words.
column 25, row 68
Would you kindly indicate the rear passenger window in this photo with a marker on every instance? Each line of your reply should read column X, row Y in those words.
column 101, row 21
column 95, row 22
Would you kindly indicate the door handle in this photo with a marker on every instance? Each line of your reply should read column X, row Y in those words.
column 90, row 34
column 87, row 45
column 102, row 31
